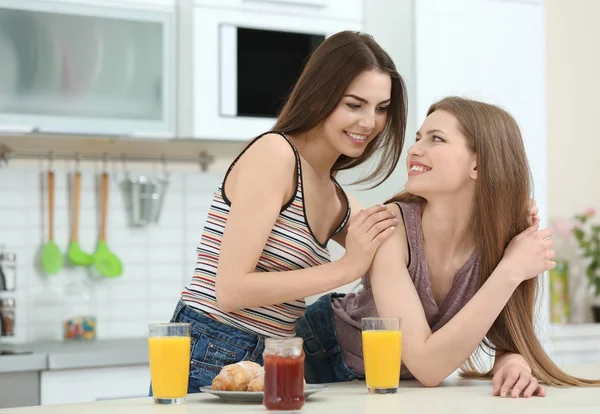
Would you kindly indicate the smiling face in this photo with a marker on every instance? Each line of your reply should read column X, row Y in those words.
column 360, row 115
column 440, row 160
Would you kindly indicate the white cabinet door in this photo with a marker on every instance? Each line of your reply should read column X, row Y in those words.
column 86, row 385
column 86, row 68
column 212, row 71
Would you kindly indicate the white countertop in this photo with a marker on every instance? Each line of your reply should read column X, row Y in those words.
column 453, row 396
column 51, row 355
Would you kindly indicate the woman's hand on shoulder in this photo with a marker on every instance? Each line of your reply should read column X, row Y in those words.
column 366, row 231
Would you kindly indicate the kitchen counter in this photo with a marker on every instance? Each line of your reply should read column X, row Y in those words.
column 453, row 396
column 23, row 363
column 55, row 355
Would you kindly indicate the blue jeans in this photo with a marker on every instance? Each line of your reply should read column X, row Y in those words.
column 324, row 361
column 214, row 345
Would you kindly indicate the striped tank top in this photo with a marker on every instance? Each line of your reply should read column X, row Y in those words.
column 291, row 245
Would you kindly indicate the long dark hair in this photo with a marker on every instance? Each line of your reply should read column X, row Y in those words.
column 327, row 74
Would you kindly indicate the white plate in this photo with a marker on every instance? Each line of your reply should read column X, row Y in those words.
column 256, row 396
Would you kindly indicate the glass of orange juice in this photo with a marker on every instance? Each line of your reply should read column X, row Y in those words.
column 169, row 349
column 382, row 353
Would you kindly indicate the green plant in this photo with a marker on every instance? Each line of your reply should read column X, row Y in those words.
column 588, row 237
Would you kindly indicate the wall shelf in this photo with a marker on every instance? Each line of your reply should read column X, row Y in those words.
column 90, row 147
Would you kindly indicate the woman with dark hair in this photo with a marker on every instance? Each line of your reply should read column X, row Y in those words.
column 264, row 245
column 460, row 268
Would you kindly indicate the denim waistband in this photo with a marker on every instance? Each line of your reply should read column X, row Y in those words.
column 204, row 324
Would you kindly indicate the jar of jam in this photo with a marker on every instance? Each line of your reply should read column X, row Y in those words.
column 284, row 374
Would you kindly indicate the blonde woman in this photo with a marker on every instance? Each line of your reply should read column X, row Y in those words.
column 461, row 267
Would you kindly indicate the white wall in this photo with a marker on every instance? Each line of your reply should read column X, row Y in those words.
column 573, row 90
column 573, row 85
column 492, row 51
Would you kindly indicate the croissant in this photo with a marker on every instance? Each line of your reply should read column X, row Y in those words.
column 235, row 377
column 257, row 383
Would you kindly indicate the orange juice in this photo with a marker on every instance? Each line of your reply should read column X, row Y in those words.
column 169, row 365
column 382, row 351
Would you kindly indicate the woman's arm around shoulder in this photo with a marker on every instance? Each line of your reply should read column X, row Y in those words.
column 432, row 357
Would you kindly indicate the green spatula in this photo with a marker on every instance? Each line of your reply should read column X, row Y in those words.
column 105, row 261
column 75, row 254
column 52, row 258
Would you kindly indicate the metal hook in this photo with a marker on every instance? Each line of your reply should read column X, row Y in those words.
column 165, row 169
column 77, row 162
column 105, row 162
column 124, row 162
column 4, row 155
column 51, row 161
column 205, row 160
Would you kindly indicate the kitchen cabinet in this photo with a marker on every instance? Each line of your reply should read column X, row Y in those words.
column 88, row 67
column 96, row 384
column 19, row 389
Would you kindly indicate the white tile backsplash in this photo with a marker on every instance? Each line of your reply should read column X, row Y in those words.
column 162, row 291
column 14, row 180
column 157, row 260
column 124, row 292
column 164, row 273
column 44, row 331
column 157, row 309
column 12, row 198
column 128, row 310
column 128, row 329
column 13, row 218
column 15, row 237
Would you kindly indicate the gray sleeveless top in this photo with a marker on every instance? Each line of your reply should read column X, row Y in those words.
column 348, row 310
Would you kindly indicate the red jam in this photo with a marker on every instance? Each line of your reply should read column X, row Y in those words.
column 284, row 382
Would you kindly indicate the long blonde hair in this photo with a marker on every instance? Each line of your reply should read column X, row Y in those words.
column 502, row 190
